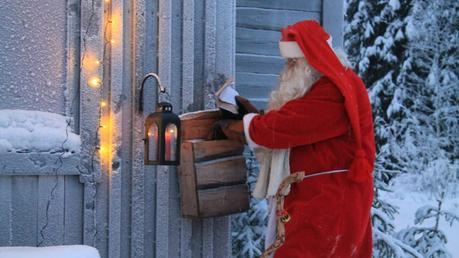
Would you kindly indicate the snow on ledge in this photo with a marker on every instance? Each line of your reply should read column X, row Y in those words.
column 65, row 251
column 27, row 131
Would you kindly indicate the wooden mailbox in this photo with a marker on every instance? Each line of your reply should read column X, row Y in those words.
column 212, row 174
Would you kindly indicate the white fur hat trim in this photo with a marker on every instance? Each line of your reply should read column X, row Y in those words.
column 290, row 49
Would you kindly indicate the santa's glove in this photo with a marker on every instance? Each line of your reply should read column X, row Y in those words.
column 245, row 107
column 232, row 129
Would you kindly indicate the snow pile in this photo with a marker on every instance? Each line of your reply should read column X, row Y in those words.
column 25, row 131
column 411, row 202
column 68, row 251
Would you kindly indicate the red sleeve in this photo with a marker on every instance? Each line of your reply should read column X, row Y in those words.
column 317, row 116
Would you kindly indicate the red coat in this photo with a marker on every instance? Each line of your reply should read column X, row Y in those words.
column 330, row 214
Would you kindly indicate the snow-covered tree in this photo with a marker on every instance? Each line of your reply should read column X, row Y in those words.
column 248, row 227
column 376, row 41
column 430, row 80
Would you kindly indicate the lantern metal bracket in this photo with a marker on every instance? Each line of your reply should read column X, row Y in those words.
column 161, row 88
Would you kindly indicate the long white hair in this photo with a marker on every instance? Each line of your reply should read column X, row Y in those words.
column 296, row 79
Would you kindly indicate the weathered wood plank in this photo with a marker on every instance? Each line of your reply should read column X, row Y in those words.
column 253, row 85
column 253, row 41
column 24, row 164
column 271, row 19
column 73, row 211
column 260, row 103
column 206, row 150
column 225, row 171
column 333, row 18
column 259, row 64
column 6, row 202
column 189, row 198
column 50, row 210
column 300, row 5
column 198, row 125
column 223, row 200
column 24, row 214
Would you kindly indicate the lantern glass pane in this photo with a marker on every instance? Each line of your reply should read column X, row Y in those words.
column 171, row 143
column 153, row 142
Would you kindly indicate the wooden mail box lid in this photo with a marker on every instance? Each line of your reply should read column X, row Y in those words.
column 212, row 174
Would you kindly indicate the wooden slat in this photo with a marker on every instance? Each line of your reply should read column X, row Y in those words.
column 223, row 200
column 260, row 103
column 52, row 224
column 206, row 150
column 253, row 85
column 5, row 210
column 225, row 171
column 24, row 214
column 73, row 211
column 256, row 41
column 189, row 198
column 198, row 125
column 259, row 64
column 271, row 19
column 301, row 5
column 36, row 163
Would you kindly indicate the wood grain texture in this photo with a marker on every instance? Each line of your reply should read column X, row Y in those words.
column 206, row 150
column 223, row 200
column 5, row 210
column 187, row 174
column 254, row 85
column 220, row 172
column 271, row 19
column 257, row 41
column 259, row 64
column 301, row 5
column 198, row 125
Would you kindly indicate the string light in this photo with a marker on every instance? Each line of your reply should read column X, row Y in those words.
column 95, row 82
column 103, row 104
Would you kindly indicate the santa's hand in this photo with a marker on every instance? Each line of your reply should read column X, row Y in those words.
column 233, row 129
column 245, row 106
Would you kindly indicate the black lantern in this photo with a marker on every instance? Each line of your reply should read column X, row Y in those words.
column 162, row 131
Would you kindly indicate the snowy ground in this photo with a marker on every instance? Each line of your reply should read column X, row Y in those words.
column 409, row 199
column 25, row 131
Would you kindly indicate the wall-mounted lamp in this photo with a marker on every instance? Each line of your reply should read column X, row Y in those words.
column 162, row 130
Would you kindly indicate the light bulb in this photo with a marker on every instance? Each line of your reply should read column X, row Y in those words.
column 103, row 104
column 94, row 82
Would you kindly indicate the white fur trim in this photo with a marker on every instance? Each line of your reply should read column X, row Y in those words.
column 246, row 120
column 330, row 41
column 290, row 49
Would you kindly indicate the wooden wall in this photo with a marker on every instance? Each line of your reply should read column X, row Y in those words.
column 258, row 24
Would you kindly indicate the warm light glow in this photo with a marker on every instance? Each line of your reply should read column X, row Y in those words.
column 94, row 82
column 103, row 104
column 105, row 139
column 90, row 62
column 112, row 41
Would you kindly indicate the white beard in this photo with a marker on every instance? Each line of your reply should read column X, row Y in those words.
column 295, row 80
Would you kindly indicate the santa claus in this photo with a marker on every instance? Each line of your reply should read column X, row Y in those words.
column 319, row 121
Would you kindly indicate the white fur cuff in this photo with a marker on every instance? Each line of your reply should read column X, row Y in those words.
column 246, row 120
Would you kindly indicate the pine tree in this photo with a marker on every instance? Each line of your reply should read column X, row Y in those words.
column 430, row 77
column 376, row 40
column 248, row 228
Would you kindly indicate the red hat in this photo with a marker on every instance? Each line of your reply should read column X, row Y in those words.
column 311, row 39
